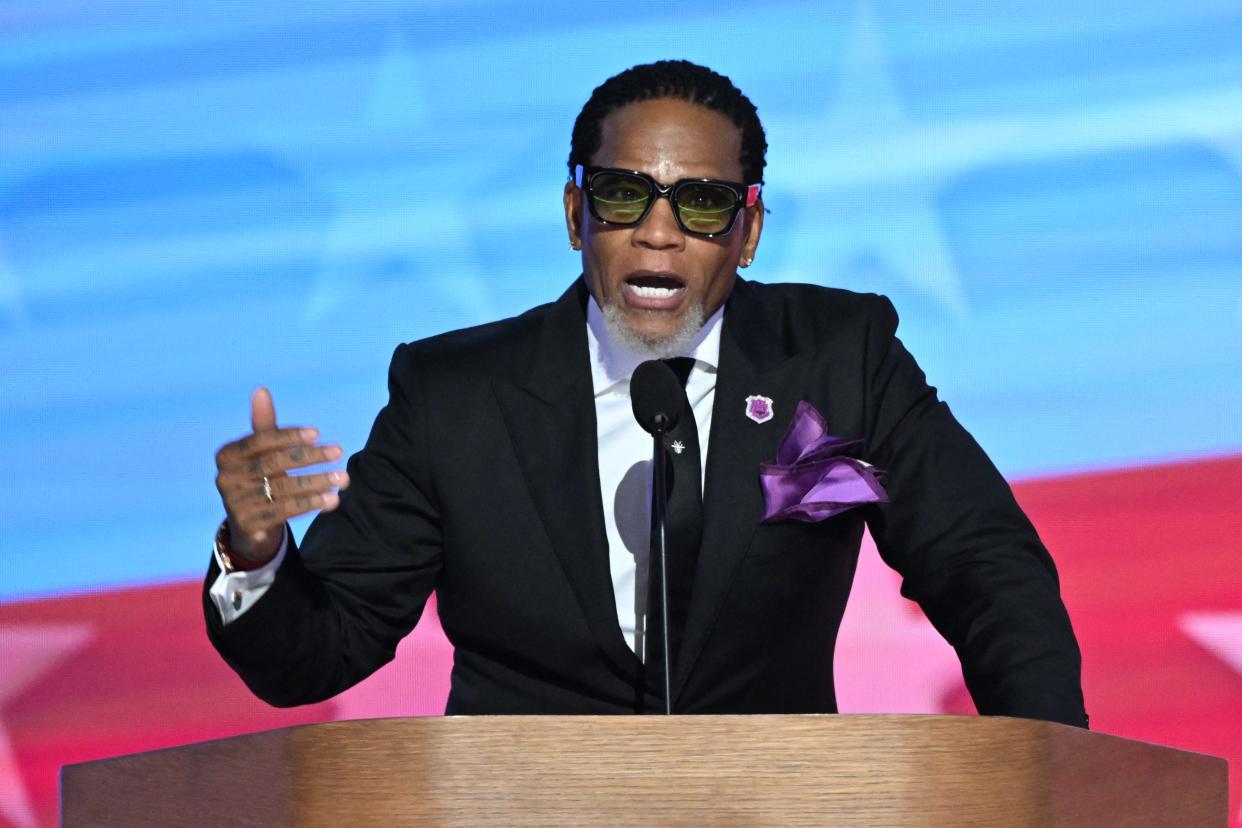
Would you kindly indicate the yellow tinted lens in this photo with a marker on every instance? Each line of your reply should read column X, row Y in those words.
column 705, row 208
column 618, row 198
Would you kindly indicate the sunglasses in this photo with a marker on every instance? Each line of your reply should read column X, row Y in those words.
column 702, row 206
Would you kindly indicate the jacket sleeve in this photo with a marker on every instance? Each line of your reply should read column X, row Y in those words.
column 340, row 604
column 966, row 552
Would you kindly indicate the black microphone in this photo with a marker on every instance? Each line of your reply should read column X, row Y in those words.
column 656, row 395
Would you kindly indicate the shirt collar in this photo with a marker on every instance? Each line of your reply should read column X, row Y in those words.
column 612, row 363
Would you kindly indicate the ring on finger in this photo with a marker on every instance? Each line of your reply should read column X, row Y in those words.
column 267, row 489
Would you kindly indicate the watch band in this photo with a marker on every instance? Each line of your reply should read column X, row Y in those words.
column 223, row 552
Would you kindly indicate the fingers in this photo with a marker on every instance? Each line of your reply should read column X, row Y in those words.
column 257, row 519
column 304, row 484
column 253, row 515
column 239, row 480
column 262, row 410
column 279, row 461
column 239, row 452
column 252, row 478
column 242, row 487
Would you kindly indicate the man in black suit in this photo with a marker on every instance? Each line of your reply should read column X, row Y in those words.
column 502, row 475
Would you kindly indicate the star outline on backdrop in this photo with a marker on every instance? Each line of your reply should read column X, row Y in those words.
column 882, row 170
column 29, row 652
column 887, row 210
column 384, row 220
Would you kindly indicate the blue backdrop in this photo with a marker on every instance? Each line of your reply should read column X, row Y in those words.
column 198, row 198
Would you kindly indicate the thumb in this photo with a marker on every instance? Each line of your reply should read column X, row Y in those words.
column 262, row 411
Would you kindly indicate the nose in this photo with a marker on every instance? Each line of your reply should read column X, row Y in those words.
column 659, row 230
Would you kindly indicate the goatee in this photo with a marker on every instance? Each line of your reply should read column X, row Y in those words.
column 678, row 343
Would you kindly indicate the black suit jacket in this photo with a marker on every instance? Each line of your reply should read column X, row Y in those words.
column 480, row 481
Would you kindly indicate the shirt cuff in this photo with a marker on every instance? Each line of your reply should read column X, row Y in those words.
column 235, row 592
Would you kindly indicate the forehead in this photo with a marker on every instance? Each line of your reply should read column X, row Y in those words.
column 671, row 139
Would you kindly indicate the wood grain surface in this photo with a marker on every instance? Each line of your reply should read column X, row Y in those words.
column 651, row 770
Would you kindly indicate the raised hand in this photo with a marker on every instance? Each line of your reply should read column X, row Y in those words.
column 258, row 493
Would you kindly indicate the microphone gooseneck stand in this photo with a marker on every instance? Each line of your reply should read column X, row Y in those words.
column 657, row 397
column 659, row 548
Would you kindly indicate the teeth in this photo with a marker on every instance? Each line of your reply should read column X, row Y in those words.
column 650, row 292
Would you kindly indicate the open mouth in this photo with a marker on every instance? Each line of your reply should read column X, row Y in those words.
column 654, row 288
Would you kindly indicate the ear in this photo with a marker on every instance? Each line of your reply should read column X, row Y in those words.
column 573, row 213
column 754, row 229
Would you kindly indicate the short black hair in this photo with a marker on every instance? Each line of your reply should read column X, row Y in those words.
column 679, row 79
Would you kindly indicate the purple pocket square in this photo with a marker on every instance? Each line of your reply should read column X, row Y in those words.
column 812, row 479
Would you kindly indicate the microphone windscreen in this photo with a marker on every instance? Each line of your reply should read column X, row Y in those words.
column 656, row 395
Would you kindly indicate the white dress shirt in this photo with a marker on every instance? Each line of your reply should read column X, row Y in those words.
column 624, row 471
column 625, row 453
column 235, row 592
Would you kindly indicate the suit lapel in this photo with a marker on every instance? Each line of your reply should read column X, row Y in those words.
column 550, row 414
column 752, row 361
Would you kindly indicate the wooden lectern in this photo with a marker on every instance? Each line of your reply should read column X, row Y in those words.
column 654, row 770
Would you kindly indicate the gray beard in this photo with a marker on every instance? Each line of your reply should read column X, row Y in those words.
column 678, row 343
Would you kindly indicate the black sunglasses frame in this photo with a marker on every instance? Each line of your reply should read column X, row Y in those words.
column 745, row 196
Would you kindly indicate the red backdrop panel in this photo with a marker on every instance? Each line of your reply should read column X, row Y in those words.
column 1151, row 567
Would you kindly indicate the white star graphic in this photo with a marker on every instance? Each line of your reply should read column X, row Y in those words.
column 414, row 683
column 889, row 658
column 1220, row 633
column 28, row 652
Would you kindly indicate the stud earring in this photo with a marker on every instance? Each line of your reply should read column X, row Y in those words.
column 573, row 245
column 746, row 262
